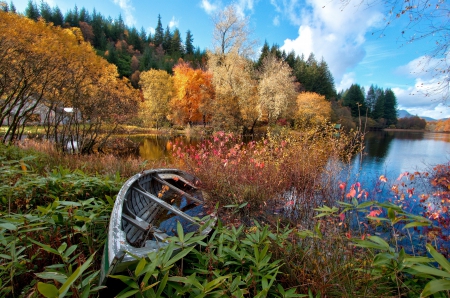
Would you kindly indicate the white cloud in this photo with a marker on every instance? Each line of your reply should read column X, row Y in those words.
column 431, row 87
column 128, row 9
column 329, row 31
column 151, row 30
column 347, row 80
column 276, row 21
column 209, row 7
column 243, row 6
column 173, row 23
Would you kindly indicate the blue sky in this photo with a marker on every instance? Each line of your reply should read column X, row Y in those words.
column 353, row 39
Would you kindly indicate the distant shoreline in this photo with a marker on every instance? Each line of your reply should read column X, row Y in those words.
column 399, row 129
column 413, row 130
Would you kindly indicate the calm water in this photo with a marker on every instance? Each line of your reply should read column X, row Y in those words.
column 391, row 153
column 386, row 153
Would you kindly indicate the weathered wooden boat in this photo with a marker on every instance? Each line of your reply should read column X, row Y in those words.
column 146, row 212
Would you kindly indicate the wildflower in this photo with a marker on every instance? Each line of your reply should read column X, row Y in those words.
column 383, row 178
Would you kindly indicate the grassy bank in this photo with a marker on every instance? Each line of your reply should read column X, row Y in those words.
column 55, row 211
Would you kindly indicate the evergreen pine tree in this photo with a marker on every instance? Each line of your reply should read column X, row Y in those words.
column 99, row 34
column 390, row 107
column 176, row 44
column 265, row 51
column 32, row 11
column 167, row 40
column 143, row 37
column 46, row 12
column 113, row 56
column 371, row 100
column 290, row 59
column 117, row 29
column 134, row 39
column 159, row 33
column 354, row 99
column 84, row 16
column 324, row 81
column 378, row 110
column 57, row 16
column 12, row 8
column 188, row 45
column 145, row 63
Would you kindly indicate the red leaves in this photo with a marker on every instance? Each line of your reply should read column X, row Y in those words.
column 375, row 213
column 352, row 193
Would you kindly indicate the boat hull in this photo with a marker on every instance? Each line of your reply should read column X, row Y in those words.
column 145, row 213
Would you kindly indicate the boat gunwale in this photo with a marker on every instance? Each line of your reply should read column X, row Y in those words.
column 119, row 249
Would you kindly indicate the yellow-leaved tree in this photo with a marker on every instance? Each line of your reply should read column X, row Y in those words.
column 236, row 104
column 276, row 89
column 312, row 109
column 157, row 88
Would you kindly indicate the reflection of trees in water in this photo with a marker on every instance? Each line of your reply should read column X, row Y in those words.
column 407, row 135
column 160, row 147
column 377, row 144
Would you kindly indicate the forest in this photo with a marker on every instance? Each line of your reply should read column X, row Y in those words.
column 177, row 83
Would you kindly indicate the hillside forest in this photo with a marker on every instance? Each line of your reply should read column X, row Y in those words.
column 160, row 80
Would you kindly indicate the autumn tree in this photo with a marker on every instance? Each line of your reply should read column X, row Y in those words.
column 312, row 109
column 87, row 31
column 232, row 33
column 413, row 122
column 276, row 89
column 78, row 91
column 236, row 105
column 157, row 87
column 193, row 94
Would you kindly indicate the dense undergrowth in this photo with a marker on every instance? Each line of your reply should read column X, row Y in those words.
column 334, row 239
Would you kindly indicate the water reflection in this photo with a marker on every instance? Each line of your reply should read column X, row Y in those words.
column 393, row 152
column 160, row 147
column 377, row 144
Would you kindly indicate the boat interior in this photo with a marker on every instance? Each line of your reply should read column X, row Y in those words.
column 156, row 202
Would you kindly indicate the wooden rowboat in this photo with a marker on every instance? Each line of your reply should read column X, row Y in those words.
column 146, row 212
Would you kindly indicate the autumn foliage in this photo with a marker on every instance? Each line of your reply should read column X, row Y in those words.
column 312, row 109
column 52, row 71
column 193, row 94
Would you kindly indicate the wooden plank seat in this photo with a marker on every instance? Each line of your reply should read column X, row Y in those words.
column 142, row 207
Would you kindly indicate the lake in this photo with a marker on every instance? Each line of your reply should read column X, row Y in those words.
column 391, row 153
column 386, row 153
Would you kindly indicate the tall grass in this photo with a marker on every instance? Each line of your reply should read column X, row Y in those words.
column 285, row 169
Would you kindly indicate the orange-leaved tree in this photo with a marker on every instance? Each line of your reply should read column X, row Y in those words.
column 193, row 94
